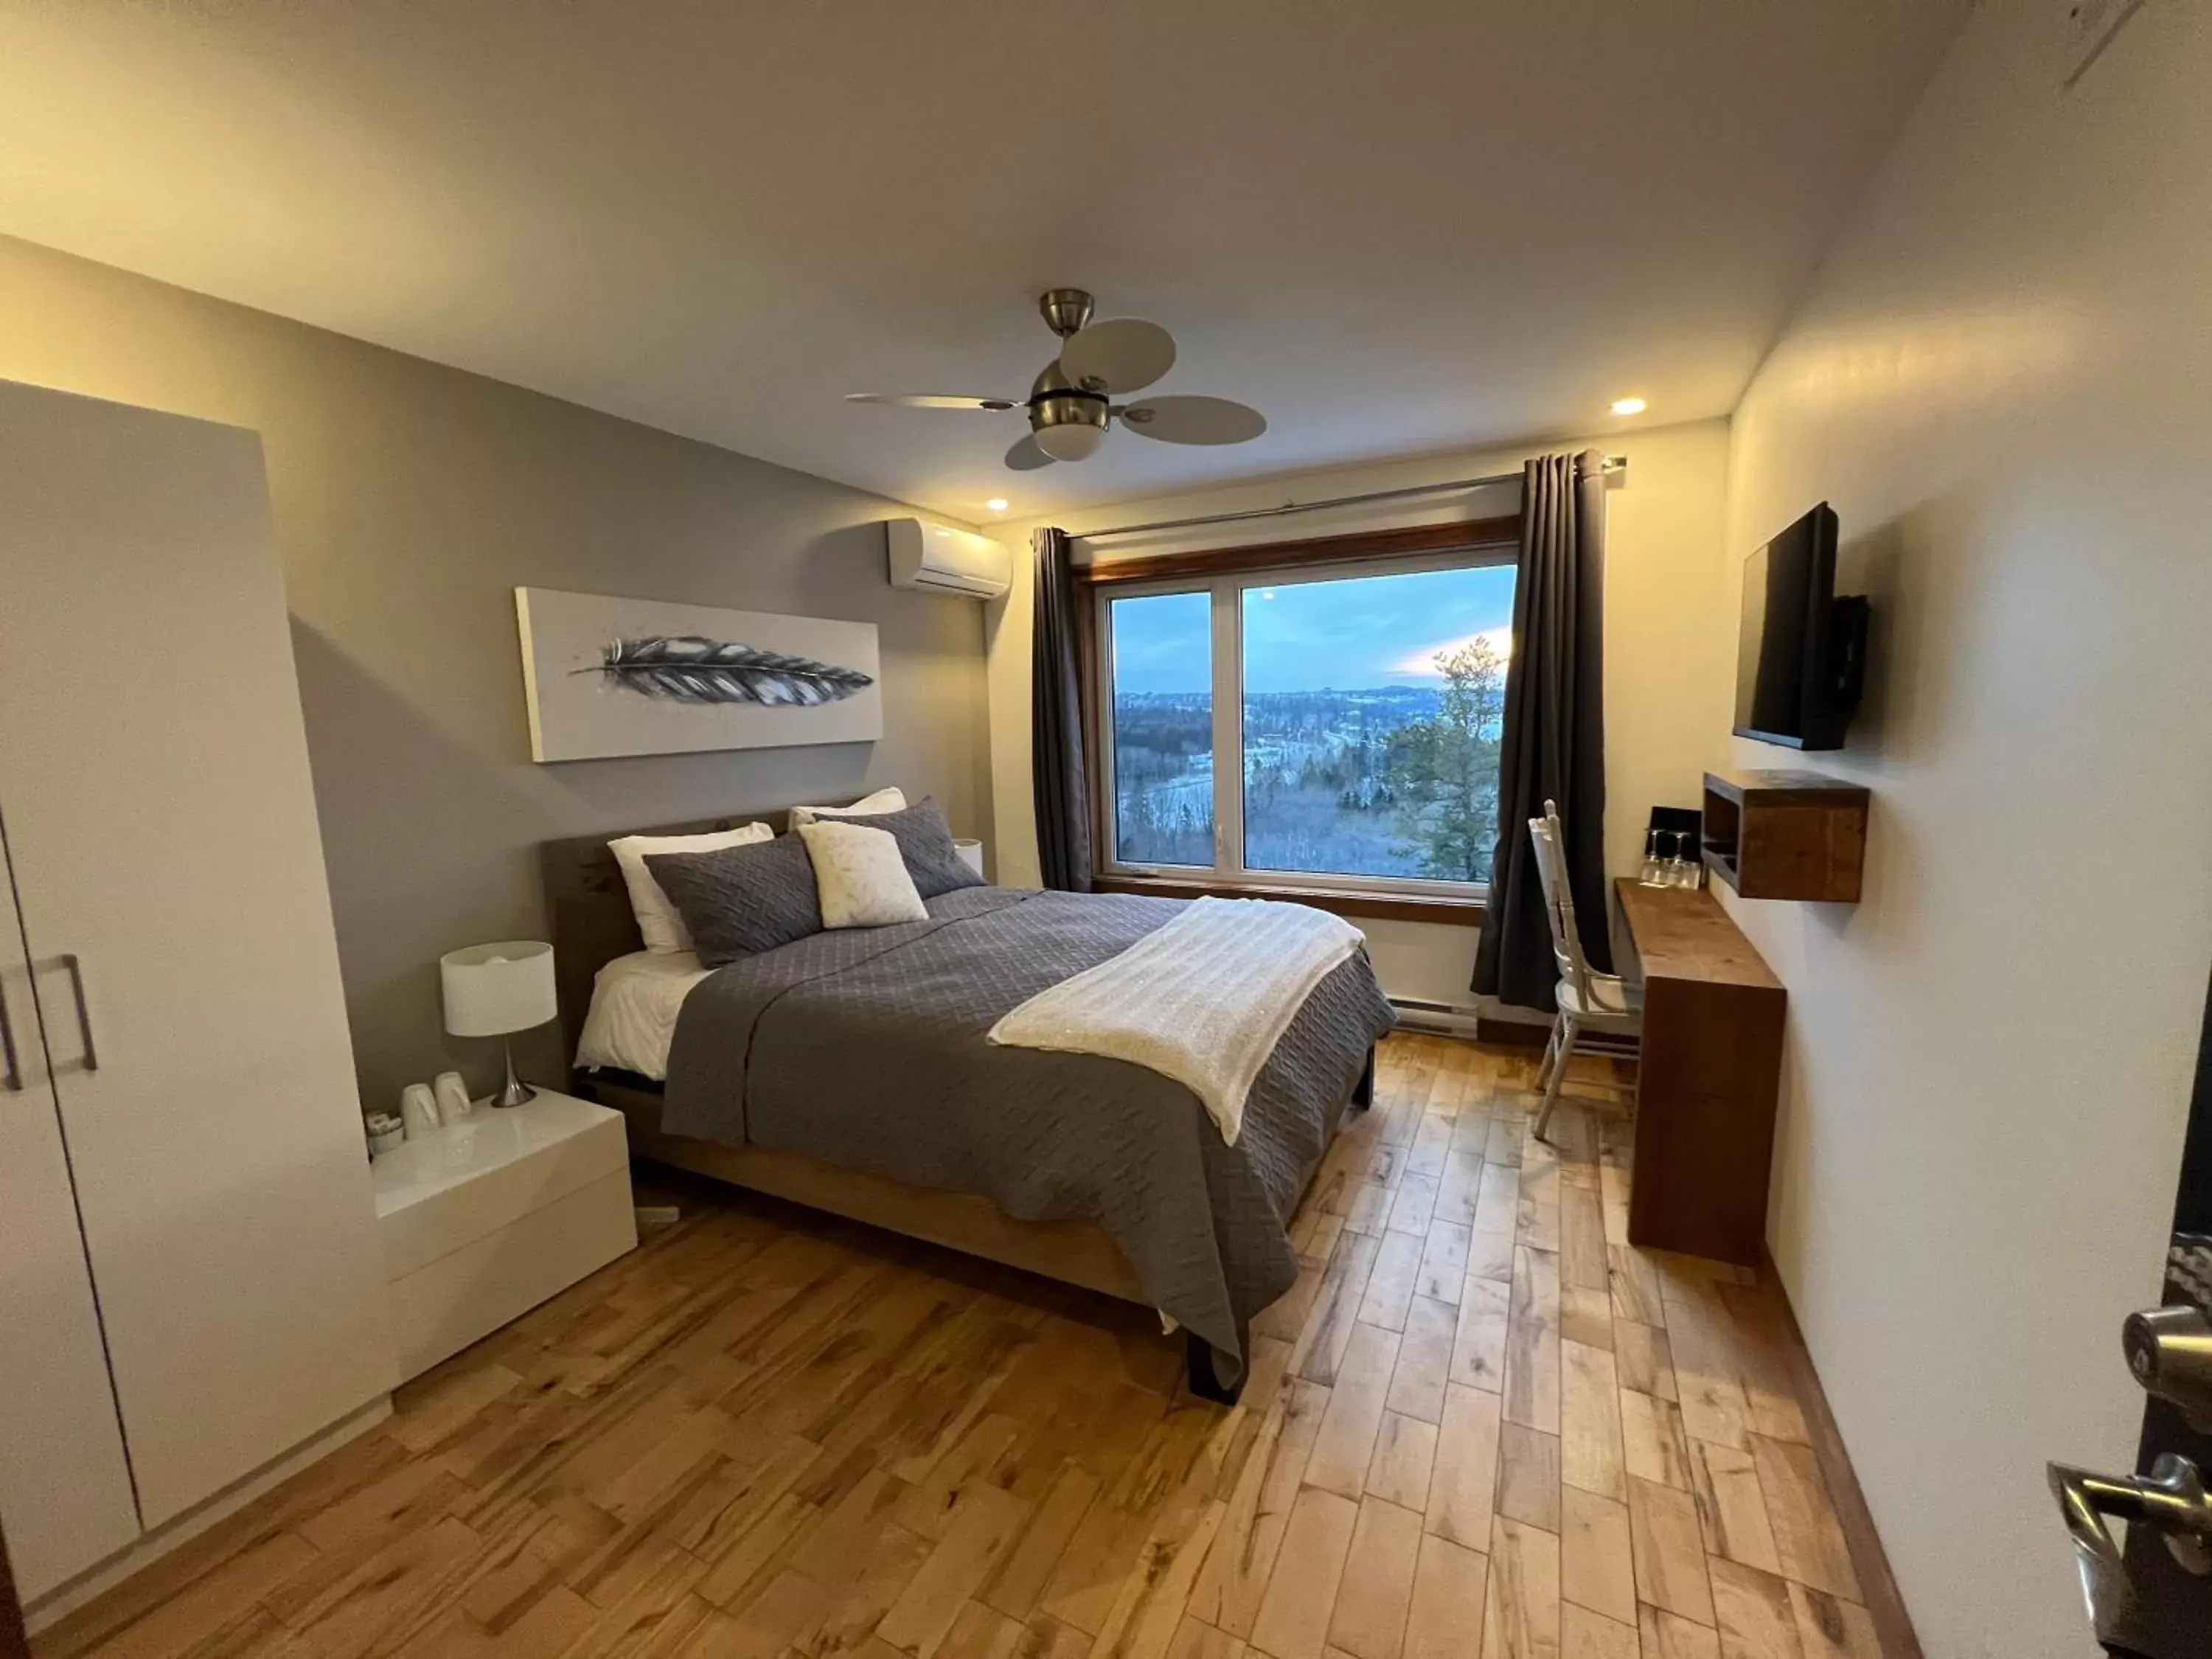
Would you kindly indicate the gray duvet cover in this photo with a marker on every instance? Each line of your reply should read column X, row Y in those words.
column 865, row 1047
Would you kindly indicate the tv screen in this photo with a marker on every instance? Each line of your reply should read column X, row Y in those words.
column 1794, row 672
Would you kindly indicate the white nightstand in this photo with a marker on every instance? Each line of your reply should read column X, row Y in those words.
column 483, row 1220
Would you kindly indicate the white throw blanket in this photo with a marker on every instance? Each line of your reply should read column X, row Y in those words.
column 1203, row 1000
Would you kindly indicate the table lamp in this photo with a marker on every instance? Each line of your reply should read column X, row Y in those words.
column 496, row 990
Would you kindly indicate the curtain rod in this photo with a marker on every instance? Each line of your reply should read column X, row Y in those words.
column 1614, row 464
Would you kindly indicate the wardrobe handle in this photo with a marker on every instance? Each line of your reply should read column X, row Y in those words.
column 11, row 1070
column 91, row 1061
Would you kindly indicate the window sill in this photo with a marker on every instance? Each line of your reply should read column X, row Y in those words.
column 1343, row 901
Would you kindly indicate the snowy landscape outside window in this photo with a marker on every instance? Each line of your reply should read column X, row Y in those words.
column 1364, row 707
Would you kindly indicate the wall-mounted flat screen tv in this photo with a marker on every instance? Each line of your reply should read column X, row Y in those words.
column 1800, row 654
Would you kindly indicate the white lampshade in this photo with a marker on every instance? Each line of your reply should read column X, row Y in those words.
column 493, row 989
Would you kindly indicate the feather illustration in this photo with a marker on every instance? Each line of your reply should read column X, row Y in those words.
column 692, row 668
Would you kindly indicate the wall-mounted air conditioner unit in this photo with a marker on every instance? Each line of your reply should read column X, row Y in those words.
column 936, row 558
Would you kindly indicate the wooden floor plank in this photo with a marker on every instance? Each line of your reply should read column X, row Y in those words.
column 1521, row 1605
column 1345, row 1444
column 1752, row 1612
column 1463, row 1483
column 1731, row 1508
column 1227, row 1591
column 1653, row 1445
column 1808, row 1537
column 1477, row 1356
column 1528, row 1481
column 1587, row 1635
column 1425, row 1355
column 1405, row 1455
column 1670, row 1556
column 1446, row 1611
column 1368, row 1619
column 1589, row 1421
column 1532, row 1342
column 1597, row 1561
column 1293, row 1619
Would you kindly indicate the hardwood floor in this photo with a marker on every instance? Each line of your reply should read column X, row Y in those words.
column 1481, row 1426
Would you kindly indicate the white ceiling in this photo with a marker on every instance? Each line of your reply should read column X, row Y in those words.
column 1393, row 227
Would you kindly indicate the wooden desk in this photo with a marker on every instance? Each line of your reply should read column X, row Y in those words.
column 1709, row 1074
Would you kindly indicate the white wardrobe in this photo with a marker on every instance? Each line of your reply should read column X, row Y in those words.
column 190, row 1279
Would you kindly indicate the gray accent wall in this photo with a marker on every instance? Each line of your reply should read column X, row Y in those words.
column 410, row 501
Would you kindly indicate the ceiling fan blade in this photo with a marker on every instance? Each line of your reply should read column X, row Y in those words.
column 1194, row 421
column 1025, row 456
column 1123, row 354
column 930, row 400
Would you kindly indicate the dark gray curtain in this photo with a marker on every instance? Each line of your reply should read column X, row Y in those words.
column 1553, row 744
column 1061, row 786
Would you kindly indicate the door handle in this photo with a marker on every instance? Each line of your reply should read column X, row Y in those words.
column 11, row 1068
column 2169, row 1350
column 68, row 962
column 2171, row 1500
column 91, row 1061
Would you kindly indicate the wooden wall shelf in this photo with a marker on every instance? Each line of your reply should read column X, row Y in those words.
column 1786, row 834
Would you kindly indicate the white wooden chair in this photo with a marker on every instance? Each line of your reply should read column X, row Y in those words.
column 1586, row 998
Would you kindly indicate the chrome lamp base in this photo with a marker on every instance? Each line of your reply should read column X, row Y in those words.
column 517, row 1092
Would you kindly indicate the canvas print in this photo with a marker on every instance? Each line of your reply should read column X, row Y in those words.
column 606, row 676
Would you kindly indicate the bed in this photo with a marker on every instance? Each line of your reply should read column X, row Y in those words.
column 848, row 1070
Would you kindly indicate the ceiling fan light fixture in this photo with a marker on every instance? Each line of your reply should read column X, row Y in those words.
column 1073, row 402
column 1071, row 441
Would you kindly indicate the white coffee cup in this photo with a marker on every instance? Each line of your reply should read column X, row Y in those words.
column 418, row 1110
column 453, row 1102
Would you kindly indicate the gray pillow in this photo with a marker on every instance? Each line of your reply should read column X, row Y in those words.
column 926, row 843
column 740, row 901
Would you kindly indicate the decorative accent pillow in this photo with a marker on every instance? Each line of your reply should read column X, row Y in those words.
column 859, row 876
column 659, row 922
column 925, row 841
column 883, row 801
column 742, row 900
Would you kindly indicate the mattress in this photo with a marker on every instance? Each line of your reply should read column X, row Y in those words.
column 635, row 1002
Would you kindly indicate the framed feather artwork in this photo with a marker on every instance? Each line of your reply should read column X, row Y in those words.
column 607, row 676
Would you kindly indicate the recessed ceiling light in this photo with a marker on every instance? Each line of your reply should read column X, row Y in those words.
column 1628, row 405
column 997, row 503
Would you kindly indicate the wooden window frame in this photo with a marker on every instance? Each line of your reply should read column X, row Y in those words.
column 1466, row 543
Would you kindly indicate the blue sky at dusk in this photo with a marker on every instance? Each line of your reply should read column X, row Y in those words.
column 1342, row 636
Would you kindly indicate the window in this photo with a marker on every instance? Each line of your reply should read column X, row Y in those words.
column 1328, row 726
column 1163, row 729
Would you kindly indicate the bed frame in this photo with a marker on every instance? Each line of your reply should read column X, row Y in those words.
column 588, row 911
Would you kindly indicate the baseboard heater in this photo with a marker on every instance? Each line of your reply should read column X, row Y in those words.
column 1439, row 1018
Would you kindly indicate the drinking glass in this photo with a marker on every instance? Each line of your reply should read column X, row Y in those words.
column 1654, row 867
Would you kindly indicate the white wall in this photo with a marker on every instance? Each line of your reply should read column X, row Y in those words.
column 2002, row 379
column 1665, row 638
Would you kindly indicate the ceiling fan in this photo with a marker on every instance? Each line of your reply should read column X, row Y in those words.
column 1071, row 405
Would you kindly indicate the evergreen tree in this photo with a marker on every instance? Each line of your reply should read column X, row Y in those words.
column 1443, row 770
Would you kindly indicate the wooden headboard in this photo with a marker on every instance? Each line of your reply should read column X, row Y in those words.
column 588, row 913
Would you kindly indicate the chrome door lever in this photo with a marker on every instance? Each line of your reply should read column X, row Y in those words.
column 2170, row 1499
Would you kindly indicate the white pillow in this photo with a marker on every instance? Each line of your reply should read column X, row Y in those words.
column 883, row 801
column 659, row 922
column 860, row 876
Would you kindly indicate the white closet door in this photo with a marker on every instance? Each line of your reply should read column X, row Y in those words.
column 162, row 827
column 65, row 1488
